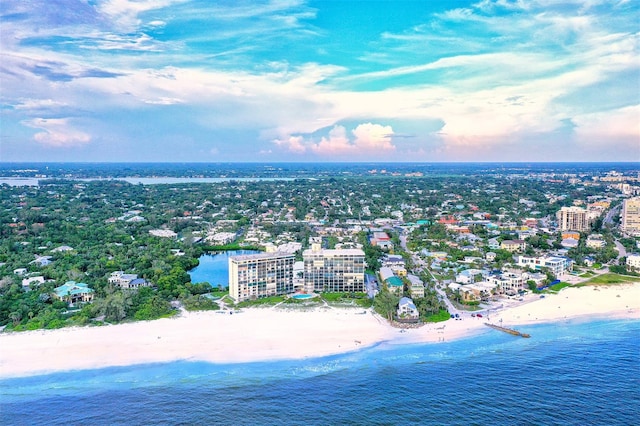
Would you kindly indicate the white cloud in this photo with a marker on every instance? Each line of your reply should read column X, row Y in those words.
column 57, row 133
column 292, row 144
column 124, row 13
column 336, row 143
column 369, row 140
column 621, row 124
column 373, row 137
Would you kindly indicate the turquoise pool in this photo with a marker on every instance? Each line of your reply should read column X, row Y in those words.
column 303, row 296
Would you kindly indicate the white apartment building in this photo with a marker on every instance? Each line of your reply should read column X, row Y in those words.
column 573, row 219
column 557, row 265
column 633, row 262
column 331, row 270
column 253, row 276
column 630, row 216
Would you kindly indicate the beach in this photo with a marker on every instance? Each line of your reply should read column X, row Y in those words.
column 267, row 334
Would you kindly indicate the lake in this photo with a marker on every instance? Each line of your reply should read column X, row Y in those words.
column 214, row 268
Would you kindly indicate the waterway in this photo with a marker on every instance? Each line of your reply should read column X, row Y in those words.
column 140, row 180
column 214, row 268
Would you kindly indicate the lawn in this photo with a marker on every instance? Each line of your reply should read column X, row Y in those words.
column 559, row 286
column 607, row 279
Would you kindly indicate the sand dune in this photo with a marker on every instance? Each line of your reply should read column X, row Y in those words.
column 261, row 334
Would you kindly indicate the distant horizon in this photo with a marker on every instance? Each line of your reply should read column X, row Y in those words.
column 322, row 162
column 307, row 81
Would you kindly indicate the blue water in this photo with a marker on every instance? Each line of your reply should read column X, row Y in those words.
column 214, row 268
column 567, row 374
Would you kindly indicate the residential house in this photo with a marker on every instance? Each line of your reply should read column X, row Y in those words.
column 62, row 249
column 395, row 262
column 73, row 292
column 42, row 261
column 596, row 241
column 27, row 282
column 127, row 281
column 394, row 283
column 382, row 240
column 416, row 286
column 493, row 244
column 407, row 309
column 468, row 276
column 513, row 245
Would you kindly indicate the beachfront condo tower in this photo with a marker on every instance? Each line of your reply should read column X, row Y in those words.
column 572, row 219
column 252, row 276
column 630, row 217
column 333, row 270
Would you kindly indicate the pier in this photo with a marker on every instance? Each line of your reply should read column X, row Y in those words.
column 508, row 330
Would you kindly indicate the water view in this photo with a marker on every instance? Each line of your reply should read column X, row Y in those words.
column 214, row 268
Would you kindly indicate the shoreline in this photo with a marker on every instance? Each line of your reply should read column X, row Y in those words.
column 268, row 334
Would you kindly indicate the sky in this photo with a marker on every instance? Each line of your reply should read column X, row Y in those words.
column 307, row 81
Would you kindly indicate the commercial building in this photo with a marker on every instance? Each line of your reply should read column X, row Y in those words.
column 573, row 219
column 332, row 270
column 630, row 217
column 253, row 276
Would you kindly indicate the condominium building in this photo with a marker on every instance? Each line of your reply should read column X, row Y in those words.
column 333, row 270
column 253, row 276
column 556, row 265
column 631, row 216
column 573, row 219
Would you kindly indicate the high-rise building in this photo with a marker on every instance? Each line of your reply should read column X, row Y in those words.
column 631, row 216
column 253, row 276
column 572, row 219
column 333, row 270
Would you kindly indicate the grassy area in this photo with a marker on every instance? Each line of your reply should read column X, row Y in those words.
column 359, row 299
column 443, row 315
column 588, row 274
column 559, row 286
column 608, row 279
column 273, row 300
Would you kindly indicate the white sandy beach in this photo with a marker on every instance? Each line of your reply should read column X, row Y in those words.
column 269, row 334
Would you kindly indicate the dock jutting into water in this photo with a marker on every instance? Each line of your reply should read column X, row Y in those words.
column 507, row 330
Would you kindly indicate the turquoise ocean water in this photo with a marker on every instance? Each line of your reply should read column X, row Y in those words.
column 573, row 373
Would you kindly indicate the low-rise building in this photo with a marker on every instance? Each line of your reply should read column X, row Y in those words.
column 27, row 282
column 513, row 245
column 73, row 292
column 127, row 281
column 468, row 276
column 633, row 262
column 407, row 309
column 555, row 264
column 416, row 286
column 595, row 241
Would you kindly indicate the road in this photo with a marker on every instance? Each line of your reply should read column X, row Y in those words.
column 622, row 251
column 608, row 219
column 419, row 263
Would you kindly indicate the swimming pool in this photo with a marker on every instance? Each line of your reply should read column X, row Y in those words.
column 303, row 296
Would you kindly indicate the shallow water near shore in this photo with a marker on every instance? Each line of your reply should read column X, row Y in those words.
column 566, row 373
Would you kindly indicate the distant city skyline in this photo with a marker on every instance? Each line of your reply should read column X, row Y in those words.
column 302, row 81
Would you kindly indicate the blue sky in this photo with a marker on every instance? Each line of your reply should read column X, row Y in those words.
column 293, row 80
